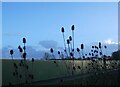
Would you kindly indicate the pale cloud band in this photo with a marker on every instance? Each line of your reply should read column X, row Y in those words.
column 109, row 41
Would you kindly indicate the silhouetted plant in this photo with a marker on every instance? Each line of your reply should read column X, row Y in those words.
column 51, row 50
column 70, row 39
column 82, row 47
column 78, row 50
column 72, row 28
column 62, row 30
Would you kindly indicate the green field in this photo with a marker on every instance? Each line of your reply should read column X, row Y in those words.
column 44, row 70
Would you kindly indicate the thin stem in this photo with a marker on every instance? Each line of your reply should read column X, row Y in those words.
column 65, row 44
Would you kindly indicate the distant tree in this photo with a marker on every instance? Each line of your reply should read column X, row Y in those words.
column 116, row 55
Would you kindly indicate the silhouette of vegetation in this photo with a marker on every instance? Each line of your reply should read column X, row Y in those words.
column 116, row 55
column 66, row 67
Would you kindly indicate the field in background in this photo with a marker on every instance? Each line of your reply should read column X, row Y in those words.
column 46, row 69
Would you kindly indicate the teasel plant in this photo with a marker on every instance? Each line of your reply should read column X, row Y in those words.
column 73, row 28
column 100, row 47
column 26, row 67
column 70, row 40
column 78, row 50
column 69, row 56
column 82, row 47
column 55, row 61
column 15, row 72
column 68, row 43
column 65, row 48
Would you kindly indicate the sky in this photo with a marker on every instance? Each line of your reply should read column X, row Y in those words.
column 41, row 22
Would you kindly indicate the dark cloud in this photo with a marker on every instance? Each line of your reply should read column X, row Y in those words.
column 48, row 44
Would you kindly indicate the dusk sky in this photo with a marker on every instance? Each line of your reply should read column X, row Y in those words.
column 41, row 24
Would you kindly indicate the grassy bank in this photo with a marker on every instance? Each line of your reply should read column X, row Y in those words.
column 47, row 69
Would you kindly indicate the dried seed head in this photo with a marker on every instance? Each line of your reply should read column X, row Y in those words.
column 99, row 45
column 62, row 30
column 70, row 38
column 100, row 53
column 73, row 27
column 105, row 47
column 68, row 42
column 72, row 50
column 32, row 59
column 78, row 50
column 82, row 46
column 24, row 40
column 51, row 50
column 58, row 52
column 20, row 49
column 89, row 53
column 11, row 52
column 64, row 50
column 24, row 55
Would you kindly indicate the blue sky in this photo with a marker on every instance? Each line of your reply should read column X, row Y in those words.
column 40, row 22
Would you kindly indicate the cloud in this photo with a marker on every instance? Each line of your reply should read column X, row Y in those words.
column 109, row 41
column 48, row 44
column 31, row 53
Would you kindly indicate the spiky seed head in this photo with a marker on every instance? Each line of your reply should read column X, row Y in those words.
column 24, row 55
column 24, row 40
column 20, row 49
column 64, row 50
column 95, row 46
column 78, row 50
column 105, row 46
column 82, row 46
column 62, row 30
column 58, row 52
column 92, row 46
column 99, row 44
column 11, row 52
column 100, row 53
column 51, row 50
column 73, row 27
column 68, row 42
column 70, row 38
column 32, row 59
column 72, row 50
column 92, row 54
column 83, row 57
column 89, row 53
